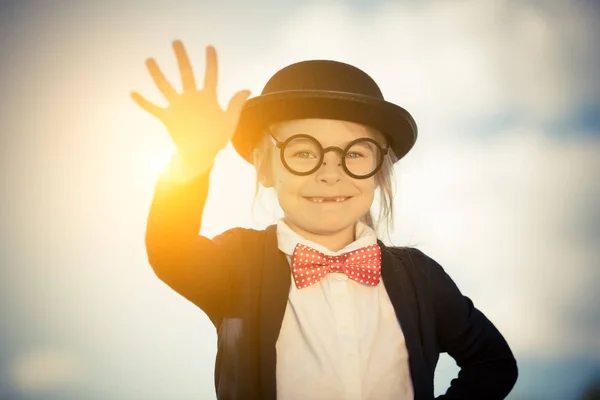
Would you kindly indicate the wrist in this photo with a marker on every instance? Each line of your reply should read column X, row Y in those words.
column 184, row 168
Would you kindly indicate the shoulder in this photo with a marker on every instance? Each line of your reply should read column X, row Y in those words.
column 409, row 256
column 416, row 261
column 424, row 270
column 250, row 241
column 239, row 236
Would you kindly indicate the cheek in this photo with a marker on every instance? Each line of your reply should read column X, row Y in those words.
column 367, row 188
column 285, row 184
column 367, row 195
column 287, row 188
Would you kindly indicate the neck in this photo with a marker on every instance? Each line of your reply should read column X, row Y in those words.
column 333, row 241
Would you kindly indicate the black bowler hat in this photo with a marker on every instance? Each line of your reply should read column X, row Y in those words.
column 323, row 89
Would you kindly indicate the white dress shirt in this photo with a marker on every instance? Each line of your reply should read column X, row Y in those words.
column 340, row 339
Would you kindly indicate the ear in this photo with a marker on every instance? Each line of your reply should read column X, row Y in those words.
column 262, row 170
column 265, row 179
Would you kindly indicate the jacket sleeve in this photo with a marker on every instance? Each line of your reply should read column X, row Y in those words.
column 196, row 267
column 488, row 369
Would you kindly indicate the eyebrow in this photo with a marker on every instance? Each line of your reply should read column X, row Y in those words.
column 342, row 144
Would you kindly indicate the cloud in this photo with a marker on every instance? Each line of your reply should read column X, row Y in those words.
column 46, row 369
column 459, row 61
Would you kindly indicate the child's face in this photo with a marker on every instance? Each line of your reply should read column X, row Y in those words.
column 330, row 180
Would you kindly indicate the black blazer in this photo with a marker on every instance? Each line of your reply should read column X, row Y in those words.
column 241, row 280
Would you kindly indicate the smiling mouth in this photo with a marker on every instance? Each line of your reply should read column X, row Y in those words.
column 327, row 199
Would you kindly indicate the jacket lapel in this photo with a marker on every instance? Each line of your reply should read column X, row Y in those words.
column 398, row 286
column 275, row 287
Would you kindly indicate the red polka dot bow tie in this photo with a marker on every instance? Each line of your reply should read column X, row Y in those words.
column 309, row 266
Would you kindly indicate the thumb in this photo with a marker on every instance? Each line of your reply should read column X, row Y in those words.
column 234, row 108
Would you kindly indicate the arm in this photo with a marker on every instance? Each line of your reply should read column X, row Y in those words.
column 193, row 265
column 196, row 267
column 488, row 369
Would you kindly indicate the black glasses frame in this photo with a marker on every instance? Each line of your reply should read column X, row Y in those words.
column 281, row 146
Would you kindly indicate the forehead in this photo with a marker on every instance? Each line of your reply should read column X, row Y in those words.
column 326, row 131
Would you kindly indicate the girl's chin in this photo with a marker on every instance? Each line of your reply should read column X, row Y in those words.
column 326, row 226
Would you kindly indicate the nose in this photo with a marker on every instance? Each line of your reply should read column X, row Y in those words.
column 331, row 170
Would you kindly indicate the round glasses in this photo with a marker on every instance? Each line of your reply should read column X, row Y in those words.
column 303, row 155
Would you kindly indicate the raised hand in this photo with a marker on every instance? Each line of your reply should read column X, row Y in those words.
column 198, row 125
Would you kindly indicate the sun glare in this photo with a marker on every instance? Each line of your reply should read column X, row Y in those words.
column 152, row 162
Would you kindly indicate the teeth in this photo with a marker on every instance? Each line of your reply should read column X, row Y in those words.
column 320, row 199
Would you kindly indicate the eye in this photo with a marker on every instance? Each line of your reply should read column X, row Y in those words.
column 303, row 154
column 354, row 154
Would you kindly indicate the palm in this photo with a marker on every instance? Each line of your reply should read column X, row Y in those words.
column 195, row 120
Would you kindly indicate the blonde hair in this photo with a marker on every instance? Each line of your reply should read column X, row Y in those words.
column 384, row 178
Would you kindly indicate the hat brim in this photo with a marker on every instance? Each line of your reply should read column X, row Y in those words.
column 259, row 112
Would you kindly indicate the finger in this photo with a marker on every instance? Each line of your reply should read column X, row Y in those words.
column 159, row 79
column 210, row 75
column 185, row 67
column 234, row 108
column 147, row 105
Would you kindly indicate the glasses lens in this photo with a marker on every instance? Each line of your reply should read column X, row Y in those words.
column 363, row 158
column 302, row 154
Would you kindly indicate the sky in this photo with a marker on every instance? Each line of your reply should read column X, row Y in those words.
column 502, row 187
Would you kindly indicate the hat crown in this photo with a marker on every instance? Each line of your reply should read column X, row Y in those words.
column 323, row 75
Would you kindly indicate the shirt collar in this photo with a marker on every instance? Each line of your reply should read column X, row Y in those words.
column 287, row 239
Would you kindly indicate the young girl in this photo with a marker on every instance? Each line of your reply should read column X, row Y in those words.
column 314, row 306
